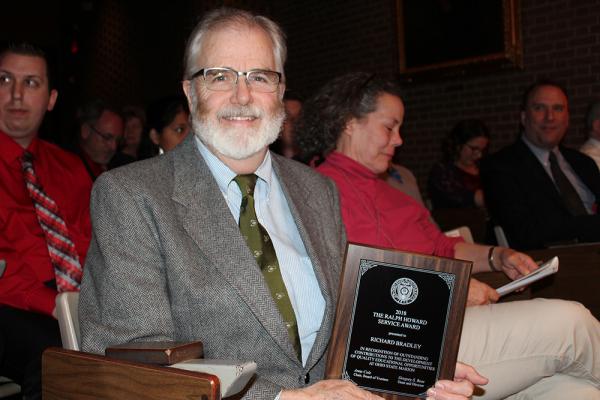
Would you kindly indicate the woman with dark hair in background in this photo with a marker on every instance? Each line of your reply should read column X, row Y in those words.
column 455, row 182
column 354, row 123
column 168, row 122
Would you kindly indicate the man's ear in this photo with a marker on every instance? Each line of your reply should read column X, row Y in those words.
column 523, row 118
column 154, row 136
column 187, row 89
column 84, row 131
column 52, row 99
column 596, row 126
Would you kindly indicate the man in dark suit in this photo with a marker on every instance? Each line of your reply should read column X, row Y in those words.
column 539, row 191
column 168, row 260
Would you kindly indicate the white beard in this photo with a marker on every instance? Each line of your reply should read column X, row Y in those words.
column 238, row 143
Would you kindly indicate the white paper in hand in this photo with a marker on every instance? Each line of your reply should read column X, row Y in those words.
column 548, row 268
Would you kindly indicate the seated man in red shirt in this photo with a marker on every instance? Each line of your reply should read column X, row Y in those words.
column 44, row 218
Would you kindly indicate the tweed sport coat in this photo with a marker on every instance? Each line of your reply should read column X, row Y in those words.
column 167, row 262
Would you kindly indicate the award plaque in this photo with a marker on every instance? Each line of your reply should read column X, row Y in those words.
column 398, row 320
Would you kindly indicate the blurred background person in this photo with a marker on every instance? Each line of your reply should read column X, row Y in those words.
column 286, row 142
column 592, row 120
column 100, row 131
column 168, row 122
column 134, row 130
column 455, row 182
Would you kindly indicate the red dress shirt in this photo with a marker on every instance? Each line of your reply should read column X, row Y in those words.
column 377, row 214
column 63, row 177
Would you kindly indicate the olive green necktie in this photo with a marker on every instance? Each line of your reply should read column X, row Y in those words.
column 260, row 245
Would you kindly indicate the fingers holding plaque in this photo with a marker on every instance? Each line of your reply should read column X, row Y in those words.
column 398, row 321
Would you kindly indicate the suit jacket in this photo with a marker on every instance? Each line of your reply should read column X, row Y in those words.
column 168, row 262
column 523, row 199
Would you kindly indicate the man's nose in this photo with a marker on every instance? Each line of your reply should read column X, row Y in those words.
column 241, row 92
column 17, row 90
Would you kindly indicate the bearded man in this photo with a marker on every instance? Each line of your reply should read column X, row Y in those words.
column 221, row 241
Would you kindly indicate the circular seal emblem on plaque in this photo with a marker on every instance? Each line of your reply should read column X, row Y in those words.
column 404, row 291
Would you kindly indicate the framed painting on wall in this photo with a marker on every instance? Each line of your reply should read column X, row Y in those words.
column 444, row 34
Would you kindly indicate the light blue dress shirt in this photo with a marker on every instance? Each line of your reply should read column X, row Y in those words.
column 586, row 195
column 275, row 216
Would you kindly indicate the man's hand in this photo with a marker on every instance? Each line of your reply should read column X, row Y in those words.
column 513, row 263
column 480, row 294
column 329, row 389
column 461, row 388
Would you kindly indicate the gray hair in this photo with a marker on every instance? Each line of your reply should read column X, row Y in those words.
column 227, row 17
column 593, row 113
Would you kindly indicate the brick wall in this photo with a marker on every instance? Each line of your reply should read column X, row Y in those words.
column 561, row 40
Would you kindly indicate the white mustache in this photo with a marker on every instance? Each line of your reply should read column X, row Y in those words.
column 240, row 112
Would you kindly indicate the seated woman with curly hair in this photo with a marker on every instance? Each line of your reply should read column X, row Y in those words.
column 534, row 349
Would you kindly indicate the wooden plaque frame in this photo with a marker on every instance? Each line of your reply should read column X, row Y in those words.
column 360, row 259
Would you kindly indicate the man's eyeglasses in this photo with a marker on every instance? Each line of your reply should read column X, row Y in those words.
column 225, row 79
column 107, row 137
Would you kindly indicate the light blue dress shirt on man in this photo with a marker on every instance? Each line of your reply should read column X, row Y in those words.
column 275, row 216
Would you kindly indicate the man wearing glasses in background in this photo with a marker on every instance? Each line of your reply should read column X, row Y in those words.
column 220, row 240
column 100, row 129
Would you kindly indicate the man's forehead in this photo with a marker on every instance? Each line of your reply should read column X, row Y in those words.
column 547, row 94
column 235, row 42
column 23, row 65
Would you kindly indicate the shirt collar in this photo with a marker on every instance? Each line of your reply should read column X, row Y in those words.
column 11, row 151
column 224, row 175
column 540, row 153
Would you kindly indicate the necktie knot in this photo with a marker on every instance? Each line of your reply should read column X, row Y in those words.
column 246, row 183
column 26, row 160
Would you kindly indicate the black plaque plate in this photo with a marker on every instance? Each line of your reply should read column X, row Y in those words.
column 398, row 321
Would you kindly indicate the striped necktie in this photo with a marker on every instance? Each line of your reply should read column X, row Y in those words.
column 61, row 248
column 261, row 246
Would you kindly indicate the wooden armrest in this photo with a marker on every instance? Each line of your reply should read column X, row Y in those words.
column 70, row 375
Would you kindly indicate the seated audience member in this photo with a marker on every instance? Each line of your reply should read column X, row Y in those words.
column 168, row 122
column 354, row 121
column 285, row 143
column 44, row 218
column 177, row 261
column 100, row 130
column 539, row 191
column 131, row 146
column 592, row 146
column 455, row 182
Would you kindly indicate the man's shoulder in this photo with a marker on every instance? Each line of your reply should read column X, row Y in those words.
column 508, row 156
column 578, row 159
column 48, row 148
column 149, row 171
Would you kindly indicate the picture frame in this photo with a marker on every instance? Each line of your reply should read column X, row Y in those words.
column 435, row 35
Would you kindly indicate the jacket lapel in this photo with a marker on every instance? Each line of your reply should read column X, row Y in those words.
column 206, row 218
